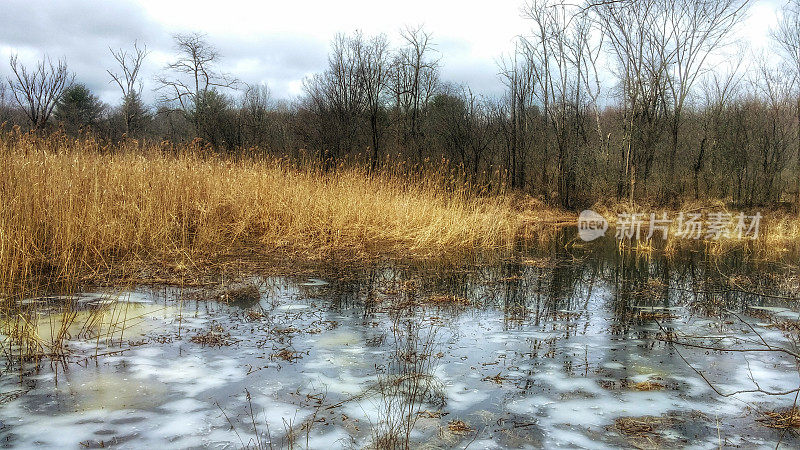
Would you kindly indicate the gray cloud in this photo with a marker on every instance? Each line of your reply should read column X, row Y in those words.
column 81, row 32
column 276, row 60
column 74, row 24
column 278, row 43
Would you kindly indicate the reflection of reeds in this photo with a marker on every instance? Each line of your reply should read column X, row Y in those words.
column 32, row 330
column 408, row 385
column 263, row 438
column 654, row 315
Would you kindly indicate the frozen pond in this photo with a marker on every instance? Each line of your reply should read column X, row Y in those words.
column 546, row 351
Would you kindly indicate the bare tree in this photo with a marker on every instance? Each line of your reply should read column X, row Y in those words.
column 195, row 75
column 415, row 78
column 628, row 27
column 256, row 105
column 559, row 66
column 720, row 91
column 518, row 74
column 787, row 36
column 772, row 145
column 38, row 91
column 129, row 82
column 349, row 98
column 482, row 127
column 693, row 30
column 338, row 99
column 374, row 67
column 5, row 110
column 537, row 51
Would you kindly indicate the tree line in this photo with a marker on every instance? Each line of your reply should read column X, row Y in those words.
column 617, row 99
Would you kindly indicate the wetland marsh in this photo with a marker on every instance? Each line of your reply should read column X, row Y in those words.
column 559, row 345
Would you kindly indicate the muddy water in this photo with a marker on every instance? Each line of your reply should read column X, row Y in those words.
column 562, row 346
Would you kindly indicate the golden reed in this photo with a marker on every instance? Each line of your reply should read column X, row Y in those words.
column 73, row 209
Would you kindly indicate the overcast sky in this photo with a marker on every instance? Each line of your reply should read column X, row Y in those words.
column 275, row 42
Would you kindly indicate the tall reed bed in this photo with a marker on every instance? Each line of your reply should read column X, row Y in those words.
column 77, row 208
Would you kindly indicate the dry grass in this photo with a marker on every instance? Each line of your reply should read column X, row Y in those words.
column 497, row 379
column 254, row 315
column 782, row 420
column 644, row 431
column 649, row 386
column 215, row 337
column 458, row 427
column 286, row 355
column 636, row 425
column 782, row 232
column 77, row 210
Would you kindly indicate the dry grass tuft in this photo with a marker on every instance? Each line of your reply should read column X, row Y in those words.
column 215, row 337
column 286, row 355
column 642, row 432
column 254, row 315
column 782, row 420
column 285, row 331
column 636, row 425
column 649, row 386
column 431, row 414
column 458, row 427
column 498, row 379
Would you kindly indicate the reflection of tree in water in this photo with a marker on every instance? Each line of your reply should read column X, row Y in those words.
column 597, row 298
column 561, row 278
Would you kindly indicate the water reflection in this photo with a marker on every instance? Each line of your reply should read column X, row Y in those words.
column 555, row 345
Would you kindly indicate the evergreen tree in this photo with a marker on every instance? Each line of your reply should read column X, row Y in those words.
column 77, row 108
